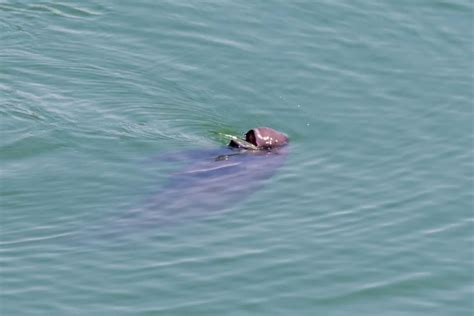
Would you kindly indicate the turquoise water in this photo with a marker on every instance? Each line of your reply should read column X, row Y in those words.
column 370, row 215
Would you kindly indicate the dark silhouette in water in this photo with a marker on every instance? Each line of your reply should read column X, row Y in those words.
column 216, row 178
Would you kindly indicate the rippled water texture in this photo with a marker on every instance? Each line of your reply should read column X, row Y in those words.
column 371, row 213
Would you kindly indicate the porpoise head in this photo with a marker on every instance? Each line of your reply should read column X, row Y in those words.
column 260, row 138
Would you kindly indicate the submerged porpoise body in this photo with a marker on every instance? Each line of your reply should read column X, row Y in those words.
column 216, row 178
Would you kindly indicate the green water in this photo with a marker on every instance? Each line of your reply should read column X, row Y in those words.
column 372, row 214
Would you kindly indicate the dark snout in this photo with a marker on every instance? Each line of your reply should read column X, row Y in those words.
column 266, row 137
column 261, row 138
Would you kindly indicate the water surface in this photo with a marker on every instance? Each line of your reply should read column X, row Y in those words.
column 371, row 214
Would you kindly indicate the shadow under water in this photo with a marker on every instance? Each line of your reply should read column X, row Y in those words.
column 211, row 181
